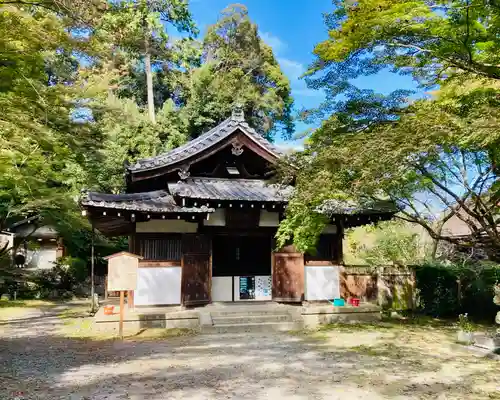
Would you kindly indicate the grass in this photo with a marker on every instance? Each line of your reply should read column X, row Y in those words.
column 26, row 303
column 17, row 308
column 83, row 329
column 388, row 324
column 75, row 311
column 78, row 324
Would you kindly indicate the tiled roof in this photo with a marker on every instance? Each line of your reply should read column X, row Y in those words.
column 230, row 189
column 203, row 142
column 157, row 201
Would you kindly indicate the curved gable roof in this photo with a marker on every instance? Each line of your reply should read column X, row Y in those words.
column 204, row 142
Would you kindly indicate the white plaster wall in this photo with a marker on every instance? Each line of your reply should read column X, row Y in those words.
column 236, row 288
column 42, row 258
column 269, row 218
column 322, row 283
column 217, row 218
column 166, row 226
column 157, row 286
column 221, row 288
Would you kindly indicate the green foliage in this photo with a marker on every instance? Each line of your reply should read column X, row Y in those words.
column 238, row 68
column 464, row 324
column 139, row 27
column 446, row 290
column 63, row 280
column 496, row 290
column 386, row 243
column 434, row 156
column 43, row 150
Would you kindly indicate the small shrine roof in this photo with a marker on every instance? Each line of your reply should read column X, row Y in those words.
column 156, row 201
column 231, row 189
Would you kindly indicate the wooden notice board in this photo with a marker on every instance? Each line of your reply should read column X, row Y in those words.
column 122, row 271
column 122, row 276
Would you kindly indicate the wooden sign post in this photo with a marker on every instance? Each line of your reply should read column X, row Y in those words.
column 122, row 276
column 122, row 312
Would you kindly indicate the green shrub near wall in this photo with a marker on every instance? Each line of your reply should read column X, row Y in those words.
column 446, row 290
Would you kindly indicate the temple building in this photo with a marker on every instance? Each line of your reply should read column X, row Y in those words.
column 204, row 215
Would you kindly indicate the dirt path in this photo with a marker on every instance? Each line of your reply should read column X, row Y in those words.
column 364, row 364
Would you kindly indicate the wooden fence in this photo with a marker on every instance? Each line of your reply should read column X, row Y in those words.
column 388, row 286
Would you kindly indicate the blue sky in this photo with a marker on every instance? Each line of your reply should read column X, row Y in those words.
column 292, row 28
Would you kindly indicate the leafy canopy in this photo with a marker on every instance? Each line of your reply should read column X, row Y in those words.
column 238, row 68
column 436, row 157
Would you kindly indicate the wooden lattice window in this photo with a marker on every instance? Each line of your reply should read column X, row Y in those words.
column 160, row 247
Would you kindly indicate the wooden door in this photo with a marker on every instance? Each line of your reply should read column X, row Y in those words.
column 288, row 277
column 195, row 279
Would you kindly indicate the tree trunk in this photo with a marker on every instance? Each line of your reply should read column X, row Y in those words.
column 149, row 78
column 435, row 244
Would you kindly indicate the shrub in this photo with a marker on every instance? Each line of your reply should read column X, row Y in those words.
column 447, row 289
column 464, row 324
column 60, row 280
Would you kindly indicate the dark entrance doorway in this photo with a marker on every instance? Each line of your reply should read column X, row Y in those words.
column 242, row 258
column 241, row 255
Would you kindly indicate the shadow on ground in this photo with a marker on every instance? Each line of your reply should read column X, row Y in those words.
column 342, row 364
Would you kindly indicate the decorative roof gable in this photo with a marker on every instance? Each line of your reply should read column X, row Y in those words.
column 204, row 142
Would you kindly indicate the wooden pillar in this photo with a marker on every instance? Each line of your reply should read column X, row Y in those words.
column 340, row 243
column 106, row 287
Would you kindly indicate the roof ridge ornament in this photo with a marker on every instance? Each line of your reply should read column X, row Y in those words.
column 237, row 149
column 184, row 172
column 238, row 114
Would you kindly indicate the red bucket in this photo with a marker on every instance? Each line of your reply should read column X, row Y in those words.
column 355, row 302
column 108, row 310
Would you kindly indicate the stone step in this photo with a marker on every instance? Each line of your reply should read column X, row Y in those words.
column 247, row 312
column 252, row 318
column 252, row 327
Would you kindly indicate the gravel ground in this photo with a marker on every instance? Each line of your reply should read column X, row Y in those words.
column 342, row 364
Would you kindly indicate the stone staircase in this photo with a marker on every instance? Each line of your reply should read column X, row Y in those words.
column 235, row 318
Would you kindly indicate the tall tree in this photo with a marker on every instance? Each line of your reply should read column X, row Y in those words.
column 433, row 156
column 44, row 149
column 238, row 67
column 139, row 28
column 128, row 135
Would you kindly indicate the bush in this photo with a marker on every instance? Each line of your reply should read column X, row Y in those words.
column 447, row 290
column 60, row 281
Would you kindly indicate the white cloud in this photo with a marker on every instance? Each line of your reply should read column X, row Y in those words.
column 293, row 69
column 290, row 147
column 275, row 42
column 307, row 92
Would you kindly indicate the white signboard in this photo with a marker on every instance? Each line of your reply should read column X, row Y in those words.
column 322, row 283
column 158, row 286
column 122, row 271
